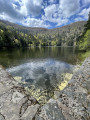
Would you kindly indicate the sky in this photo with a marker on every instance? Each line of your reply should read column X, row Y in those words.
column 44, row 13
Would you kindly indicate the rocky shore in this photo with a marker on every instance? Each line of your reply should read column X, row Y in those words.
column 72, row 103
column 15, row 104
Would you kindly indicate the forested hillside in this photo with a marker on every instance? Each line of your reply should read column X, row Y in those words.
column 10, row 37
column 84, row 40
column 13, row 35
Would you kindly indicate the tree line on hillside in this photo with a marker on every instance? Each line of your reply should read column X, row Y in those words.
column 11, row 36
column 84, row 40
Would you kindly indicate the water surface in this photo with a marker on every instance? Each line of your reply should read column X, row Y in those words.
column 15, row 57
column 40, row 69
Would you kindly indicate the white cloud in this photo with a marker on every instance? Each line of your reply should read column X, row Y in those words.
column 69, row 7
column 59, row 13
column 16, row 0
column 9, row 11
column 62, row 22
column 85, row 13
column 32, row 7
column 4, row 16
column 49, row 12
column 52, row 1
column 33, row 22
column 25, row 7
column 85, row 1
column 54, row 14
column 79, row 19
column 7, row 8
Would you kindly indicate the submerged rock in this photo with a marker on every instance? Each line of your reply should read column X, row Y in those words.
column 63, row 85
column 65, row 78
column 56, row 94
column 17, row 78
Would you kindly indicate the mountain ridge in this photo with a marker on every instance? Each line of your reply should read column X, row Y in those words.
column 17, row 35
column 14, row 24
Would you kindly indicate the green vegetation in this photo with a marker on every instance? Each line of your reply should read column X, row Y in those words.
column 9, row 37
column 84, row 42
column 12, row 35
column 82, row 55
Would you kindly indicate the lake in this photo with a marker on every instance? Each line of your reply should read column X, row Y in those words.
column 40, row 70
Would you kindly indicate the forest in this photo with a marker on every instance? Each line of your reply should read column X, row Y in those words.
column 84, row 40
column 12, row 35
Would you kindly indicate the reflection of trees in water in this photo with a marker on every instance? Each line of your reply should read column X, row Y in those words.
column 14, row 57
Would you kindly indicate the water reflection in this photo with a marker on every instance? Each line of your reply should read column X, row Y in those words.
column 40, row 70
column 37, row 72
column 45, row 75
column 13, row 57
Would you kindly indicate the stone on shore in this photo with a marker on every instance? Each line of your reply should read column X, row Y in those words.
column 50, row 111
column 15, row 104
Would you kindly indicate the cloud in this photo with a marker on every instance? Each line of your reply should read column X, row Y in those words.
column 60, row 13
column 54, row 14
column 50, row 11
column 69, row 7
column 7, row 8
column 33, row 22
column 52, row 1
column 79, row 19
column 32, row 7
column 85, row 1
column 4, row 16
column 62, row 22
column 16, row 10
column 85, row 13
